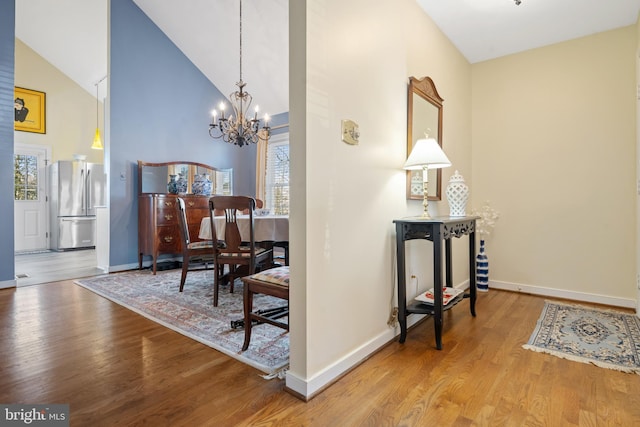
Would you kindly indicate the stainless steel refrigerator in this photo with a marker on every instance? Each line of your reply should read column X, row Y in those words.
column 77, row 187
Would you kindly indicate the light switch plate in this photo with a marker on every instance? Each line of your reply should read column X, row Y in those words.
column 350, row 132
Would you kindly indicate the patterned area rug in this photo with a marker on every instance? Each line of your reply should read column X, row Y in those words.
column 192, row 313
column 605, row 338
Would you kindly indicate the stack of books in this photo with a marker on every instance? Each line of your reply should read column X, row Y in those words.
column 448, row 295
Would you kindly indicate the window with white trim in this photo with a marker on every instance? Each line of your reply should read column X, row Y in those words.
column 277, row 175
column 25, row 173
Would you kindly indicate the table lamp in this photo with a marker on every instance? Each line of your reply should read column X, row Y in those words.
column 426, row 154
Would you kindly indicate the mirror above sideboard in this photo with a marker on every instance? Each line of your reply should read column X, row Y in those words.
column 154, row 177
column 424, row 117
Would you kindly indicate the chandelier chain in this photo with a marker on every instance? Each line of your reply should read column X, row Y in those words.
column 241, row 40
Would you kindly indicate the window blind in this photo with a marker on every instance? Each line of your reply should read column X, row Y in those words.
column 277, row 187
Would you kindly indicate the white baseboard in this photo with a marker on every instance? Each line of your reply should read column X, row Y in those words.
column 121, row 267
column 134, row 266
column 563, row 293
column 310, row 387
column 8, row 284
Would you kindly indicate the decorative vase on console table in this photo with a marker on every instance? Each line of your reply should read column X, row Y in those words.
column 482, row 269
column 457, row 195
column 172, row 185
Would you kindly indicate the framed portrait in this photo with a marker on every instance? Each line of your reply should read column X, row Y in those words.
column 30, row 110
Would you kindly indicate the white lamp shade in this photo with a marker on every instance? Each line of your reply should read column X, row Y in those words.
column 427, row 152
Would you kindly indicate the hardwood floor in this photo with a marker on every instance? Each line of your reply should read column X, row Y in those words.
column 60, row 343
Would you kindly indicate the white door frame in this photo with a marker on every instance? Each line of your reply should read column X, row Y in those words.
column 43, row 186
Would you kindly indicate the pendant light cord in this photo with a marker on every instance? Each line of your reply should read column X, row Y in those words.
column 97, row 98
column 97, row 107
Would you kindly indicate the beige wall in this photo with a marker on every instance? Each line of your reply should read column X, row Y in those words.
column 359, row 56
column 554, row 150
column 638, row 168
column 70, row 110
column 547, row 136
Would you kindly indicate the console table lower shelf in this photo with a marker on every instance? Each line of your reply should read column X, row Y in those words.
column 418, row 307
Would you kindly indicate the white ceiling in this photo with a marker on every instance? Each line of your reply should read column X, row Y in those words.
column 72, row 34
column 487, row 29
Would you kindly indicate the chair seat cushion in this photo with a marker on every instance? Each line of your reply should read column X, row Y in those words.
column 278, row 275
column 246, row 254
column 204, row 244
column 201, row 245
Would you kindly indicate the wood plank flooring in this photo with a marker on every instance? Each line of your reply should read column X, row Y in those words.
column 60, row 343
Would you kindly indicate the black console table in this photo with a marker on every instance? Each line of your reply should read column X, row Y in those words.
column 436, row 230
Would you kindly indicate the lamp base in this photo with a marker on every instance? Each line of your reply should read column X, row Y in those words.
column 425, row 192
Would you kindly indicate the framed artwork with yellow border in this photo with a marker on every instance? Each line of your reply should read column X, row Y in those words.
column 30, row 109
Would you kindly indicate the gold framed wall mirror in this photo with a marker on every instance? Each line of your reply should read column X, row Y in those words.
column 424, row 117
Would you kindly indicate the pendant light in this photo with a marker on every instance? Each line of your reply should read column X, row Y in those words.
column 97, row 141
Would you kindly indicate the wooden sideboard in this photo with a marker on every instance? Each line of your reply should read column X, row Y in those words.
column 158, row 223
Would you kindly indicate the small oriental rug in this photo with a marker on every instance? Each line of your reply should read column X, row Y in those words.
column 192, row 313
column 605, row 338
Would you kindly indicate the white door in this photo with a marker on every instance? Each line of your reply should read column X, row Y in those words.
column 30, row 197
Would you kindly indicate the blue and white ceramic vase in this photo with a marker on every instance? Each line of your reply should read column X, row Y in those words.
column 202, row 185
column 182, row 184
column 482, row 269
column 172, row 185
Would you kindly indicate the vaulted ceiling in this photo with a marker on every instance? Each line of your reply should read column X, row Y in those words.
column 208, row 33
column 72, row 34
column 487, row 29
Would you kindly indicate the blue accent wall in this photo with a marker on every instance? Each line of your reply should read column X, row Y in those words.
column 7, row 54
column 277, row 120
column 160, row 106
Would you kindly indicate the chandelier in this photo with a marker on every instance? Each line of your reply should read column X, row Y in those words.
column 239, row 128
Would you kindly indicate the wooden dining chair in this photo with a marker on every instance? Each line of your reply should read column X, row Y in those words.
column 273, row 282
column 198, row 255
column 242, row 256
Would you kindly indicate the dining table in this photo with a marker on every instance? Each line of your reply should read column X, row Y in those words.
column 266, row 228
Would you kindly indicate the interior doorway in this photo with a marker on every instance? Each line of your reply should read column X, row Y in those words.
column 31, row 213
column 34, row 262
